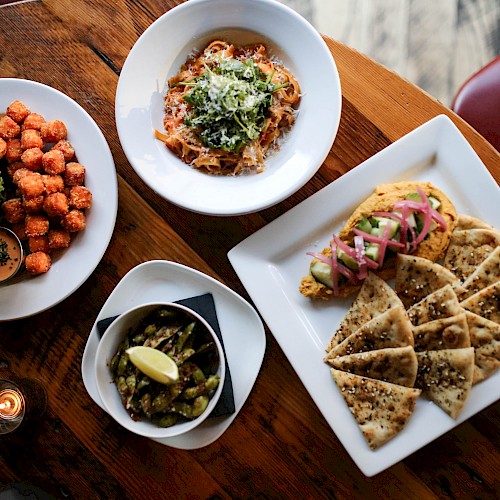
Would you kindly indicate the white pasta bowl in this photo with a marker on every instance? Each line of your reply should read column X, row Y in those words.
column 158, row 55
column 108, row 391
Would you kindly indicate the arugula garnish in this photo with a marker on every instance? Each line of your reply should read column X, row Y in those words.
column 229, row 103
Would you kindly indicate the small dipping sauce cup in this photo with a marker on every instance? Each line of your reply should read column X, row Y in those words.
column 11, row 254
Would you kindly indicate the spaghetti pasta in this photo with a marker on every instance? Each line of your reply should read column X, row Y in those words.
column 227, row 107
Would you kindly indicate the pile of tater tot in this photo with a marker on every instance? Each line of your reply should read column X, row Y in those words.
column 46, row 197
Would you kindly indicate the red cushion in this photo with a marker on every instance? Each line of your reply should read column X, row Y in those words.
column 478, row 102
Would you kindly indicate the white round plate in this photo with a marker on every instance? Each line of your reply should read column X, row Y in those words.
column 25, row 296
column 158, row 55
column 241, row 328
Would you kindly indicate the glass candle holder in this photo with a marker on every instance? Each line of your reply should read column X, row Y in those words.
column 21, row 401
column 12, row 406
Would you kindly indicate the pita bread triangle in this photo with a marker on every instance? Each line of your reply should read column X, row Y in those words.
column 381, row 409
column 486, row 361
column 442, row 303
column 417, row 277
column 392, row 328
column 445, row 377
column 485, row 303
column 468, row 248
column 485, row 338
column 397, row 365
column 468, row 222
column 486, row 273
column 374, row 298
column 481, row 330
column 445, row 333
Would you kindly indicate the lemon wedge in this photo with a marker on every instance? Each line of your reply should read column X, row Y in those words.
column 153, row 363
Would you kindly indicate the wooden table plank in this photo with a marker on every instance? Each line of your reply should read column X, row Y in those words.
column 280, row 445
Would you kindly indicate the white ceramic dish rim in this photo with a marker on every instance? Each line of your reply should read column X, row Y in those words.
column 183, row 282
column 19, row 299
column 434, row 151
column 108, row 393
column 139, row 104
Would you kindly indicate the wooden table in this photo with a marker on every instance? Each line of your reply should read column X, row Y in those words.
column 279, row 445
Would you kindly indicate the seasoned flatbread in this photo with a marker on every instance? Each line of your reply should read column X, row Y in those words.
column 445, row 377
column 481, row 330
column 442, row 303
column 487, row 273
column 486, row 361
column 485, row 338
column 445, row 333
column 397, row 365
column 485, row 303
column 417, row 277
column 381, row 409
column 374, row 298
column 389, row 329
column 469, row 222
column 468, row 248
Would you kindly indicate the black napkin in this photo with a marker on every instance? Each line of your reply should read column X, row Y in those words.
column 204, row 305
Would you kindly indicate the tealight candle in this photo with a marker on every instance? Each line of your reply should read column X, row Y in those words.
column 11, row 404
column 12, row 407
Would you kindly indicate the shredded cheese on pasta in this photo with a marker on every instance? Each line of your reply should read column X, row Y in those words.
column 227, row 107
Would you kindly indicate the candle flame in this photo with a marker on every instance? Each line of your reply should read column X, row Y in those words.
column 11, row 404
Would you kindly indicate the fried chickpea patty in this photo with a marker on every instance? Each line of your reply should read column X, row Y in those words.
column 37, row 263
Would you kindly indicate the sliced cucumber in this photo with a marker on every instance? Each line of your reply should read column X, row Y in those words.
column 372, row 251
column 364, row 225
column 434, row 202
column 410, row 219
column 413, row 197
column 347, row 260
column 322, row 272
column 383, row 222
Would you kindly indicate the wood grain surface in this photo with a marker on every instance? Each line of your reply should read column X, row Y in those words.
column 279, row 446
column 436, row 45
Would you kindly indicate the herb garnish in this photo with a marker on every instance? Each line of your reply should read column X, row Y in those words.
column 230, row 102
column 4, row 254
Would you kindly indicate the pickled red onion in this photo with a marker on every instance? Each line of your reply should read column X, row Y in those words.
column 404, row 214
column 434, row 213
column 320, row 256
column 353, row 253
column 360, row 257
column 335, row 268
column 403, row 226
column 350, row 275
column 345, row 247
column 383, row 245
column 424, row 207
column 377, row 239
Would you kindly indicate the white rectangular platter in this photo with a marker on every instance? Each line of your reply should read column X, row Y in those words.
column 272, row 261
